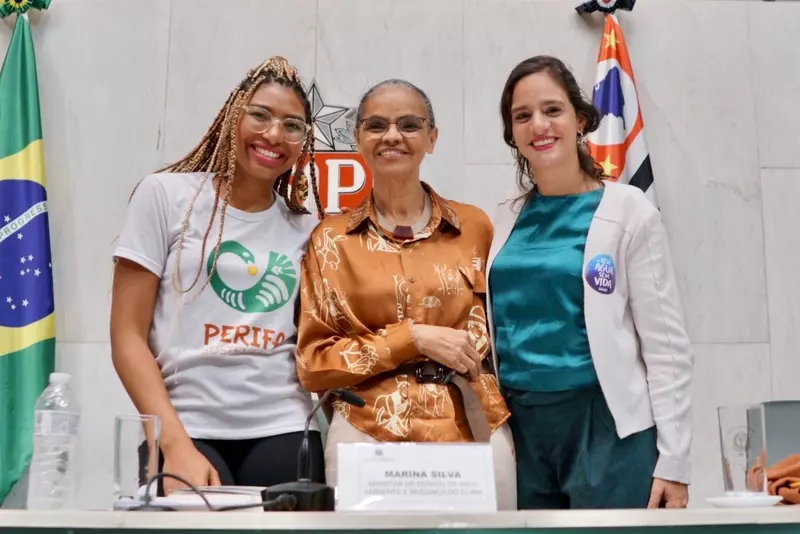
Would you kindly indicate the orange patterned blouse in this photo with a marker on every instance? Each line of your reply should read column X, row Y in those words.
column 360, row 288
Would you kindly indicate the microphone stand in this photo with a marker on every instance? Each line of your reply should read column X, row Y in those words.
column 311, row 496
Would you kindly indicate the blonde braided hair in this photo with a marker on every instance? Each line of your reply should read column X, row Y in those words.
column 216, row 153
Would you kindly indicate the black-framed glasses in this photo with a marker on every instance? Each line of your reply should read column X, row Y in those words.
column 259, row 120
column 408, row 126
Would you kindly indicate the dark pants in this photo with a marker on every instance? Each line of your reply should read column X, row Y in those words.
column 258, row 462
column 569, row 454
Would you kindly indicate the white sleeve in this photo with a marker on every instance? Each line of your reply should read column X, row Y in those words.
column 666, row 349
column 145, row 233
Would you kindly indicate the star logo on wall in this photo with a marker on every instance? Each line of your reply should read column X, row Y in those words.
column 332, row 124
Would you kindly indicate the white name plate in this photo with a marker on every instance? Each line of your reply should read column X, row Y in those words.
column 415, row 477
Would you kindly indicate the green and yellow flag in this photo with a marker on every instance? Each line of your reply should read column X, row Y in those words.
column 27, row 322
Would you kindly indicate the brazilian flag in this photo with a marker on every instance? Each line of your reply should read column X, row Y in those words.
column 27, row 321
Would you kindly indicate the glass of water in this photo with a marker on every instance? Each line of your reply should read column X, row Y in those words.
column 743, row 445
column 136, row 456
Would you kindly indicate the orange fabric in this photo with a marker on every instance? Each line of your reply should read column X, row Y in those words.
column 359, row 289
column 784, row 479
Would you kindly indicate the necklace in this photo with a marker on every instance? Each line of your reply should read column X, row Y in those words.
column 404, row 231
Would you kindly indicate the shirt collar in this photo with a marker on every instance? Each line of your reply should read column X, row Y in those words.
column 441, row 212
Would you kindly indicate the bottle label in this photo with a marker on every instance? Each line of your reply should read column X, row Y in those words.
column 48, row 422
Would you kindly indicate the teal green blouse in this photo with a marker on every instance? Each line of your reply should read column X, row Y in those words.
column 537, row 296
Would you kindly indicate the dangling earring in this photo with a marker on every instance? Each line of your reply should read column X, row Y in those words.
column 581, row 141
column 300, row 188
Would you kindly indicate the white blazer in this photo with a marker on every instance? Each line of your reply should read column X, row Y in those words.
column 634, row 321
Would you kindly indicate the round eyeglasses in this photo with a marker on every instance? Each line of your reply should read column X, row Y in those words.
column 408, row 126
column 259, row 120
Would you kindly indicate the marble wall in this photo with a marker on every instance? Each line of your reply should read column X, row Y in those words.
column 127, row 85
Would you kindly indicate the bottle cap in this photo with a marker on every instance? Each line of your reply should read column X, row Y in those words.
column 59, row 379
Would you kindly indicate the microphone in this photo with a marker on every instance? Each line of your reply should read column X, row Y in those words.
column 311, row 496
column 304, row 455
column 349, row 397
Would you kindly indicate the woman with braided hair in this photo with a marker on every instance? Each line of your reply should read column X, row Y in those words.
column 205, row 287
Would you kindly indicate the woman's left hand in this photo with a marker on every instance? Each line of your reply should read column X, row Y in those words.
column 672, row 494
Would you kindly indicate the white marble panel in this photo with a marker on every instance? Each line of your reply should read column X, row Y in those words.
column 705, row 161
column 101, row 72
column 774, row 46
column 704, row 155
column 6, row 29
column 723, row 374
column 498, row 34
column 781, row 191
column 361, row 43
column 484, row 186
column 213, row 45
column 101, row 398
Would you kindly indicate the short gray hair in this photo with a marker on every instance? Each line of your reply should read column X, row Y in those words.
column 398, row 83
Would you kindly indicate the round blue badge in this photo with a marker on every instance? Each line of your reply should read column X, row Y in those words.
column 601, row 274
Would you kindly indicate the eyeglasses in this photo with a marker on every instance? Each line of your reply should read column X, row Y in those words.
column 259, row 120
column 408, row 126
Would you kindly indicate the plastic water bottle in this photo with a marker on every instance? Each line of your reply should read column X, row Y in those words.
column 52, row 484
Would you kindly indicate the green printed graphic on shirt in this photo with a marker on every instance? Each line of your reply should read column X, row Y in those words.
column 273, row 289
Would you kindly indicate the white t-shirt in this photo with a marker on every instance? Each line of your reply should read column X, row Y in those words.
column 226, row 353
